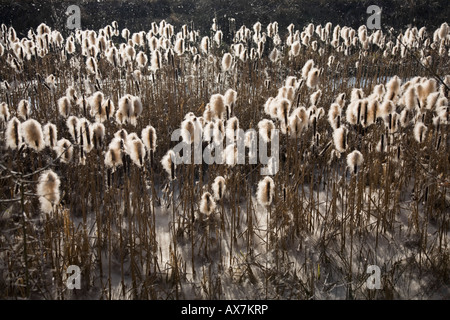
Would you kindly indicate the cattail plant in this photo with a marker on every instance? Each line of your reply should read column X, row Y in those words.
column 95, row 103
column 125, row 109
column 207, row 204
column 136, row 150
column 420, row 131
column 266, row 191
column 340, row 138
column 155, row 62
column 64, row 106
column 227, row 61
column 64, row 150
column 266, row 130
column 265, row 194
column 307, row 68
column 50, row 132
column 85, row 134
column 231, row 128
column 334, row 115
column 113, row 157
column 13, row 134
column 23, row 109
column 48, row 191
column 32, row 134
column 168, row 163
column 148, row 136
column 98, row 135
column 231, row 155
column 355, row 160
column 91, row 65
column 4, row 113
column 313, row 78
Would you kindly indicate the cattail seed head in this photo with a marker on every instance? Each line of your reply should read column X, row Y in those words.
column 50, row 135
column 136, row 150
column 420, row 131
column 4, row 113
column 64, row 106
column 334, row 114
column 217, row 103
column 155, row 60
column 149, row 138
column 23, row 109
column 266, row 129
column 410, row 98
column 13, row 134
column 307, row 68
column 91, row 65
column 141, row 59
column 64, row 150
column 168, row 163
column 283, row 109
column 188, row 131
column 231, row 155
column 313, row 78
column 126, row 107
column 219, row 187
column 85, row 134
column 340, row 139
column 230, row 96
column 227, row 60
column 354, row 160
column 48, row 190
column 219, row 131
column 113, row 157
column 98, row 134
column 296, row 126
column 207, row 204
column 31, row 131
column 266, row 191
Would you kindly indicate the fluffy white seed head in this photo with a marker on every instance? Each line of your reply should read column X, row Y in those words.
column 188, row 131
column 136, row 150
column 64, row 150
column 231, row 155
column 307, row 68
column 126, row 107
column 217, row 103
column 48, row 190
column 168, row 163
column 334, row 115
column 4, row 113
column 266, row 129
column 219, row 187
column 355, row 160
column 227, row 61
column 296, row 126
column 149, row 138
column 50, row 135
column 207, row 204
column 98, row 134
column 266, row 191
column 13, row 134
column 32, row 134
column 64, row 106
column 313, row 78
column 95, row 102
column 420, row 131
column 340, row 139
column 23, row 109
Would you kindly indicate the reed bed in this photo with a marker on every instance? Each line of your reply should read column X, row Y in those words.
column 89, row 177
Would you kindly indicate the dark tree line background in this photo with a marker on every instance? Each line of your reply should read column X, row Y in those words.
column 137, row 15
